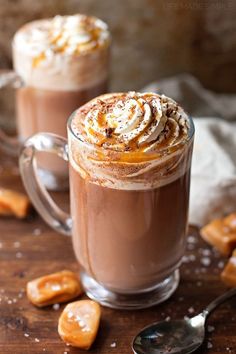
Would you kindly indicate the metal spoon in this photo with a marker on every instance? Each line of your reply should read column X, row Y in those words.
column 177, row 336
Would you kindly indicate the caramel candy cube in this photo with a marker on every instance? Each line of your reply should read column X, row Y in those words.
column 79, row 322
column 14, row 203
column 230, row 221
column 229, row 273
column 4, row 211
column 221, row 233
column 54, row 288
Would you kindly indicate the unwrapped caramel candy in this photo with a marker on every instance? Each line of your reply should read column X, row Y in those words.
column 229, row 273
column 79, row 322
column 221, row 233
column 13, row 203
column 54, row 288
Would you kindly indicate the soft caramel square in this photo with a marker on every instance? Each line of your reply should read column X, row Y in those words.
column 230, row 221
column 221, row 233
column 4, row 211
column 54, row 288
column 229, row 273
column 13, row 203
column 79, row 322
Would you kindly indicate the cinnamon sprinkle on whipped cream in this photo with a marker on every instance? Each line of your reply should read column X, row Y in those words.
column 143, row 122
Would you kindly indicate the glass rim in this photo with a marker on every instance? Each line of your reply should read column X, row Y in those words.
column 164, row 151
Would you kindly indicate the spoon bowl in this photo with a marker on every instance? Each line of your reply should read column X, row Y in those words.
column 172, row 337
column 177, row 336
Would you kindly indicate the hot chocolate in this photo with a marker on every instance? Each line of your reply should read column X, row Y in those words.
column 129, row 159
column 63, row 63
column 130, row 156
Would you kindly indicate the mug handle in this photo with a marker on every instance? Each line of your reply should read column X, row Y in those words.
column 43, row 203
column 10, row 145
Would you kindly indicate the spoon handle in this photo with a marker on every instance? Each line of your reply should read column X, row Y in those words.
column 219, row 301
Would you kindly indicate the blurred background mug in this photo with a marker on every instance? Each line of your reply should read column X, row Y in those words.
column 59, row 64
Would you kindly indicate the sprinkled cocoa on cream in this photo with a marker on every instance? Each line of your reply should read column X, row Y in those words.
column 133, row 137
column 132, row 121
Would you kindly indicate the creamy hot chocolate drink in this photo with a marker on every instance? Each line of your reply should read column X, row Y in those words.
column 63, row 63
column 130, row 156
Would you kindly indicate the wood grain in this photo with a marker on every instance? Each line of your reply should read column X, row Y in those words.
column 29, row 249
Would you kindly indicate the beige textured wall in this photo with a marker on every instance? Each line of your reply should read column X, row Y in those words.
column 151, row 38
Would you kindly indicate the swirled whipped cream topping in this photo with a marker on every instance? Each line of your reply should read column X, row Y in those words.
column 135, row 122
column 64, row 35
column 62, row 53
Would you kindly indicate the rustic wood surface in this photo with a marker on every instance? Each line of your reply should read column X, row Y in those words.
column 29, row 249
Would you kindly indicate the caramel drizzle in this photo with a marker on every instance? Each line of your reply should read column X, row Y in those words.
column 87, row 25
column 133, row 143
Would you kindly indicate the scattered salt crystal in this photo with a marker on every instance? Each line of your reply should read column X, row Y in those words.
column 20, row 295
column 185, row 259
column 26, row 334
column 82, row 323
column 113, row 345
column 206, row 252
column 167, row 319
column 56, row 287
column 186, row 318
column 9, row 302
column 206, row 261
column 221, row 264
column 192, row 239
column 199, row 283
column 191, row 310
column 210, row 329
column 192, row 257
column 190, row 247
column 14, row 300
column 209, row 345
column 16, row 244
column 37, row 340
column 181, row 298
column 37, row 232
column 19, row 255
column 70, row 314
column 56, row 307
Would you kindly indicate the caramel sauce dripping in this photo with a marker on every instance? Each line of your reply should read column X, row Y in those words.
column 38, row 59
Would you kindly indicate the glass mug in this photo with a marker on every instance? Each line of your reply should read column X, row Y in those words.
column 128, row 242
column 49, row 87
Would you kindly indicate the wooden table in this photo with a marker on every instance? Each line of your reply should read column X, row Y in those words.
column 29, row 249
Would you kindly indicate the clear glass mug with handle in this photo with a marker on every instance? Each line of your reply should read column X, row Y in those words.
column 129, row 210
column 52, row 79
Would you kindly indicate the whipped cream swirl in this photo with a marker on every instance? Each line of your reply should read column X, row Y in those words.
column 68, row 35
column 132, row 122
